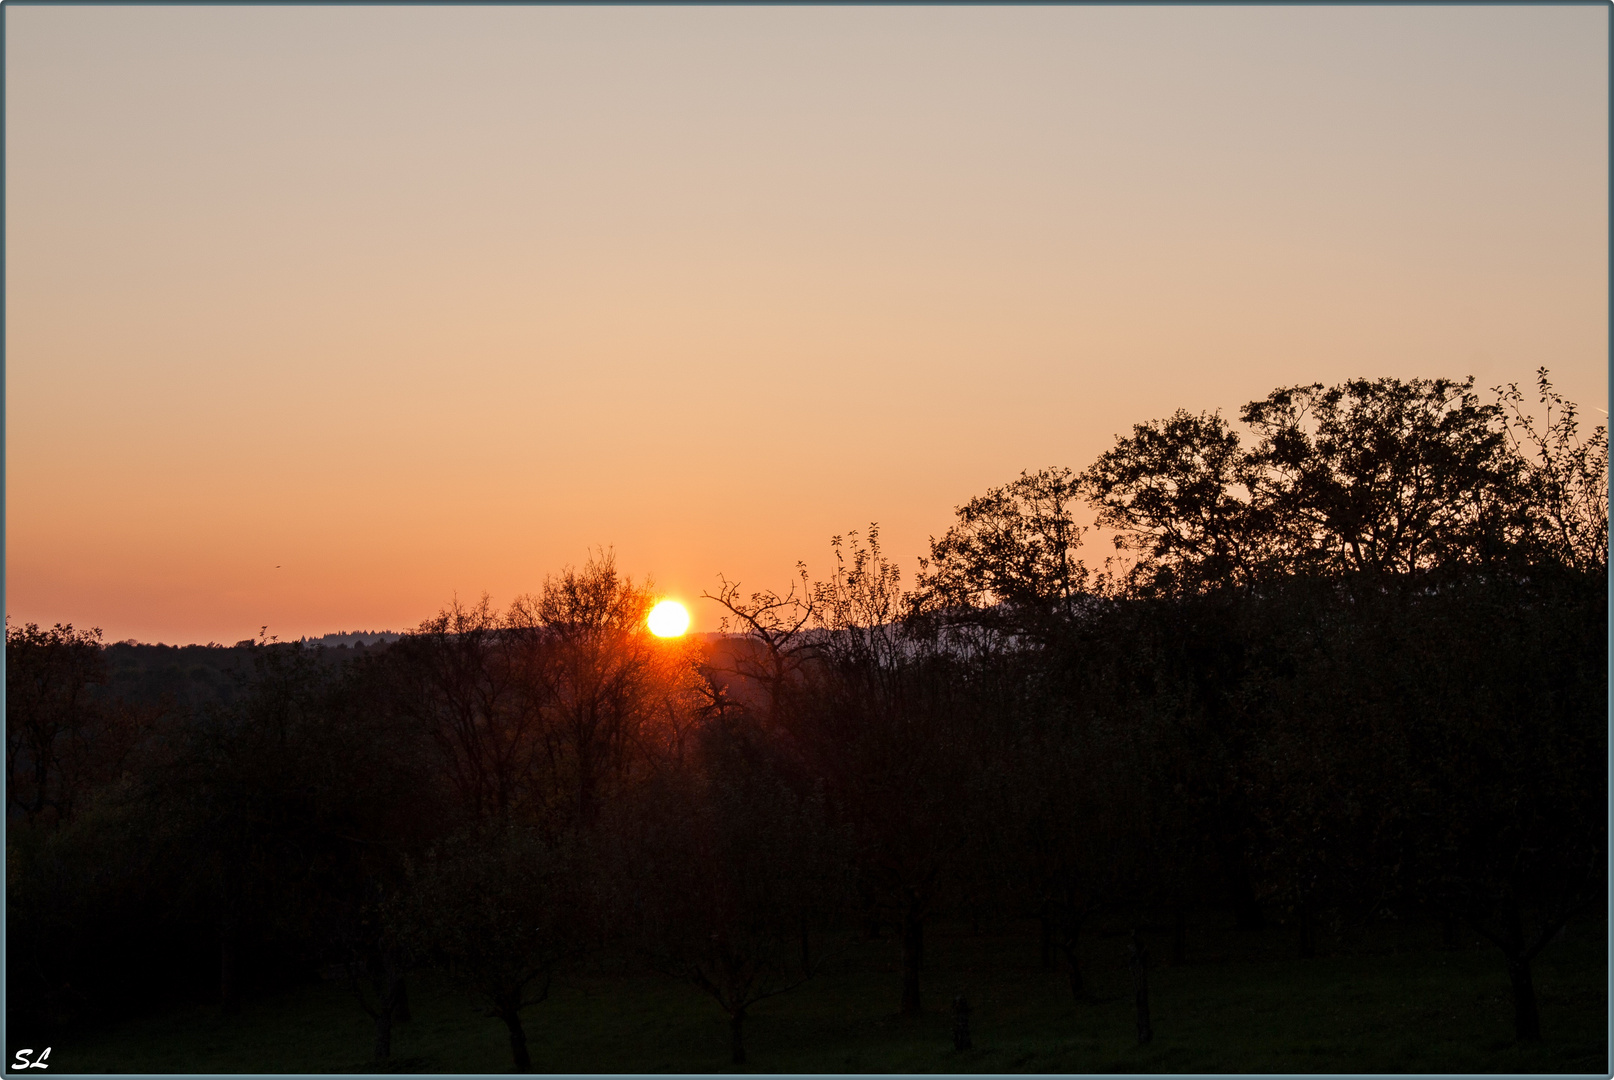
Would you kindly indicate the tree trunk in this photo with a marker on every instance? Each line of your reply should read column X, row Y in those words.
column 383, row 1033
column 518, row 1039
column 227, row 978
column 585, row 790
column 1067, row 945
column 1140, row 987
column 736, row 1044
column 400, row 1005
column 1246, row 912
column 961, row 1023
column 390, row 1002
column 1078, row 988
column 913, row 947
column 1526, row 1020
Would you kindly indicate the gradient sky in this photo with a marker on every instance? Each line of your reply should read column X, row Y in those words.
column 421, row 302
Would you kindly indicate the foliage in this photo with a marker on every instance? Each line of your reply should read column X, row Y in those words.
column 1180, row 494
column 1014, row 546
column 1383, row 475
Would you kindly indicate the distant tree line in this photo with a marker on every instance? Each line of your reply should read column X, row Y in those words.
column 1349, row 661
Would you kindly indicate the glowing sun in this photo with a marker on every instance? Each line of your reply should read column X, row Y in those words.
column 668, row 619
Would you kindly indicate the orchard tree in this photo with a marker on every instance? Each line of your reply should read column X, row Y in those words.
column 721, row 868
column 770, row 648
column 885, row 728
column 498, row 912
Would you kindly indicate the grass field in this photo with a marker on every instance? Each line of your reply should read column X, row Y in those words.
column 1390, row 1001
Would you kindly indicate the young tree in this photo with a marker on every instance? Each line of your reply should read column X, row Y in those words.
column 721, row 869
column 884, row 729
column 1565, row 477
column 498, row 915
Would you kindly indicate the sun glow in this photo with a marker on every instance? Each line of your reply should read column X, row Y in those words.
column 668, row 619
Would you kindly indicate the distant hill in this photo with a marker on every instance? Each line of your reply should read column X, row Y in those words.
column 354, row 637
column 198, row 675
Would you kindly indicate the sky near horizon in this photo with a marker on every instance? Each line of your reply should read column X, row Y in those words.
column 319, row 317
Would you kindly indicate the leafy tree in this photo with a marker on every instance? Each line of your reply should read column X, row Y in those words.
column 53, row 724
column 239, row 799
column 1504, row 713
column 1182, row 496
column 268, row 810
column 1013, row 548
column 1385, row 475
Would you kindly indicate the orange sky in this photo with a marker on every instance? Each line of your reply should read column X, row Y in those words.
column 417, row 302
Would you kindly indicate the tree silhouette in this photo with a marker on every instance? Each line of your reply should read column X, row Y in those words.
column 52, row 721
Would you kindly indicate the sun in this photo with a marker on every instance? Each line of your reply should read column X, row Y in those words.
column 668, row 619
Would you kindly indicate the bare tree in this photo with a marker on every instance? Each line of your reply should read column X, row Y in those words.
column 883, row 727
column 775, row 644
column 458, row 676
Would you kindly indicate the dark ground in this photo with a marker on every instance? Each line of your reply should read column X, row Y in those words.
column 1385, row 999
